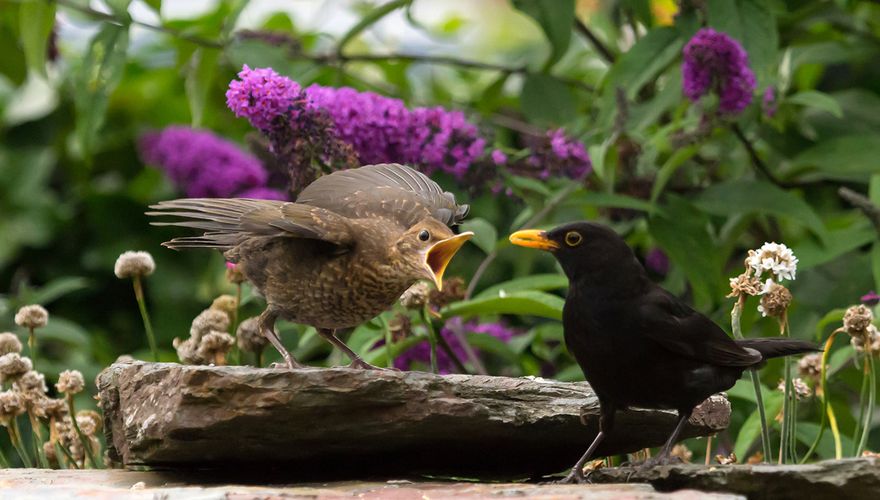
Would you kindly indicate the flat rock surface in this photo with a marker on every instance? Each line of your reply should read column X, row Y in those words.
column 344, row 423
column 850, row 478
column 119, row 484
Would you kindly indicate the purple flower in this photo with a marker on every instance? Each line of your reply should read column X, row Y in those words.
column 498, row 157
column 768, row 103
column 657, row 261
column 263, row 97
column 421, row 352
column 264, row 193
column 201, row 163
column 715, row 62
column 554, row 154
column 871, row 298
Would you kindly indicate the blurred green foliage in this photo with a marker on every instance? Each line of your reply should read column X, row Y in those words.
column 73, row 192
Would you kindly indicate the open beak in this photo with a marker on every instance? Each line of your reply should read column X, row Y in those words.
column 439, row 255
column 533, row 238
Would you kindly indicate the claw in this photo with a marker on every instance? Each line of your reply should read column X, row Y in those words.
column 360, row 364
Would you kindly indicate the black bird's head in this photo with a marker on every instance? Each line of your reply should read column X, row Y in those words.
column 585, row 250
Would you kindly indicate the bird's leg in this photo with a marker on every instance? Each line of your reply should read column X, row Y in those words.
column 267, row 327
column 356, row 361
column 664, row 457
column 606, row 421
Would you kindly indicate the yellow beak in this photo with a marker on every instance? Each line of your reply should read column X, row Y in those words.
column 533, row 238
column 439, row 255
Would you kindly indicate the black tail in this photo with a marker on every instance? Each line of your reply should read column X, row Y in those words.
column 776, row 347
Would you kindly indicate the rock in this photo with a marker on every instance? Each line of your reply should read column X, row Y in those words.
column 850, row 478
column 127, row 485
column 340, row 422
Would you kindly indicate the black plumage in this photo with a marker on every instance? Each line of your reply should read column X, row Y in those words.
column 638, row 345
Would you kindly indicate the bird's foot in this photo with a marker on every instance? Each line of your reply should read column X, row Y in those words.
column 360, row 364
column 658, row 461
column 288, row 364
column 574, row 478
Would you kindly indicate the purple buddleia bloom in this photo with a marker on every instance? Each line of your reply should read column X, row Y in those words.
column 715, row 62
column 871, row 298
column 554, row 154
column 657, row 261
column 768, row 103
column 264, row 97
column 421, row 352
column 498, row 157
column 201, row 163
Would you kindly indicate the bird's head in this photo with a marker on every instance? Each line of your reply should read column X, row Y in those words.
column 427, row 247
column 583, row 249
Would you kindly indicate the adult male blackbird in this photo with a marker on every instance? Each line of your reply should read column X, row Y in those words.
column 638, row 345
column 345, row 251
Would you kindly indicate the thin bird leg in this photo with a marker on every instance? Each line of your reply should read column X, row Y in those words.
column 664, row 458
column 267, row 327
column 356, row 361
column 606, row 421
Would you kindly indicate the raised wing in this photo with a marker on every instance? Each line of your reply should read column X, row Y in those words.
column 387, row 190
column 685, row 332
column 228, row 221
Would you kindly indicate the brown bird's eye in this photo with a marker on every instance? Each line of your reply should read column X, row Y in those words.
column 424, row 235
column 573, row 238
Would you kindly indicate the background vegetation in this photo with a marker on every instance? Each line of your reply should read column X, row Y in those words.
column 80, row 82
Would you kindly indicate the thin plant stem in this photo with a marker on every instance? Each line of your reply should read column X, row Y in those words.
column 4, row 463
column 432, row 337
column 15, row 437
column 259, row 355
column 32, row 345
column 37, row 438
column 735, row 316
column 148, row 327
column 827, row 412
column 236, row 352
column 449, row 352
column 84, row 442
column 785, row 435
column 872, row 390
column 67, row 454
column 863, row 406
column 708, row 449
column 469, row 351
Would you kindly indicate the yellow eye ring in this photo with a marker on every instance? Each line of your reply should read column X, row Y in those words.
column 573, row 238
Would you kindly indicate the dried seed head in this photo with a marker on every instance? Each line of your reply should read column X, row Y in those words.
column 70, row 382
column 400, row 327
column 186, row 351
column 131, row 264
column 800, row 388
column 125, row 358
column 744, row 284
column 868, row 341
column 810, row 366
column 249, row 337
column 32, row 316
column 856, row 319
column 214, row 346
column 13, row 366
column 729, row 459
column 234, row 274
column 756, row 458
column 775, row 300
column 97, row 421
column 681, row 451
column 207, row 321
column 416, row 296
column 11, row 406
column 225, row 303
column 9, row 343
column 31, row 382
column 53, row 408
column 454, row 290
column 774, row 258
column 49, row 452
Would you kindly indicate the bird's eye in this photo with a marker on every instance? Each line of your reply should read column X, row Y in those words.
column 424, row 235
column 573, row 238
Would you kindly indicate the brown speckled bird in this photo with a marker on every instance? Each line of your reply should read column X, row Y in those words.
column 344, row 252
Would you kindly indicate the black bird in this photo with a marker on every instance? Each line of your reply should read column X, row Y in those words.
column 638, row 345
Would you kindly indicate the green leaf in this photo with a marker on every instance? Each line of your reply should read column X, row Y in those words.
column 751, row 428
column 485, row 234
column 875, row 264
column 155, row 5
column 670, row 167
column 832, row 316
column 528, row 303
column 753, row 24
column 556, row 18
column 200, row 75
column 100, row 73
column 849, row 157
column 37, row 17
column 546, row 100
column 597, row 199
column 539, row 282
column 817, row 100
column 378, row 356
column 487, row 343
column 641, row 64
column 53, row 290
column 119, row 7
column 749, row 196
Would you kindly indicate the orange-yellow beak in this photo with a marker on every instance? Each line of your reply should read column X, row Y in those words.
column 439, row 255
column 533, row 238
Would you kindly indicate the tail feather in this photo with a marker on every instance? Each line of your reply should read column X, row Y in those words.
column 776, row 347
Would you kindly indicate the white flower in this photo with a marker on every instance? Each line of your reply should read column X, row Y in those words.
column 775, row 258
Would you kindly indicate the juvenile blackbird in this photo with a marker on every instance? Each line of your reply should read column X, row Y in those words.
column 345, row 251
column 638, row 345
